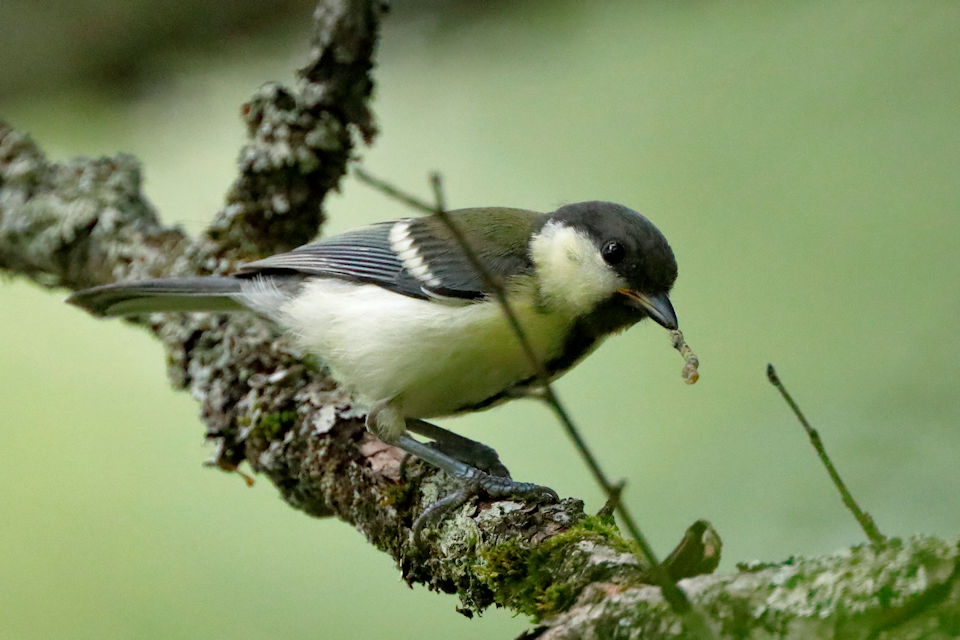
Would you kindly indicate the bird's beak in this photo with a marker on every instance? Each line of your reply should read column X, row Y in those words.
column 657, row 307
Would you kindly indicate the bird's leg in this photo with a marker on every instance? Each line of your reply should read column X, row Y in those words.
column 474, row 481
column 387, row 423
column 475, row 454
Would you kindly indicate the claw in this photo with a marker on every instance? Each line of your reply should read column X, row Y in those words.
column 438, row 509
column 481, row 483
column 475, row 481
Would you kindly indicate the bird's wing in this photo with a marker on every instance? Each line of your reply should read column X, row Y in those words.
column 362, row 254
column 418, row 257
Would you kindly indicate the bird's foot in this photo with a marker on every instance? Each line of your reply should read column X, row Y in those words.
column 474, row 481
column 481, row 483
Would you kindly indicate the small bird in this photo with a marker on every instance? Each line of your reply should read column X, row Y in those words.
column 404, row 320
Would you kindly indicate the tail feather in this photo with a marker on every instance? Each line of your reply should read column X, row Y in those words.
column 210, row 293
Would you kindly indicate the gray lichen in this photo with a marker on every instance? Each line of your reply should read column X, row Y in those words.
column 903, row 590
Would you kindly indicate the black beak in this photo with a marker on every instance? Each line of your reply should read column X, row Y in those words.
column 657, row 307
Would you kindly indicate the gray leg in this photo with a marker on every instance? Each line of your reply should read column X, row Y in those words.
column 475, row 454
column 387, row 423
column 474, row 481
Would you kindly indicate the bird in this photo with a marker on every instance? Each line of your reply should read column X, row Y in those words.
column 405, row 320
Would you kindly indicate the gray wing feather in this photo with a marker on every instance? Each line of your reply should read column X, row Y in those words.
column 363, row 254
column 499, row 238
column 415, row 257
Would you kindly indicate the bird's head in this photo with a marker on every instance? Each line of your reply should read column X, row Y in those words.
column 593, row 253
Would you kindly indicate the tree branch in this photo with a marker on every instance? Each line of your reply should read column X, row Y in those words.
column 85, row 222
column 901, row 591
column 300, row 141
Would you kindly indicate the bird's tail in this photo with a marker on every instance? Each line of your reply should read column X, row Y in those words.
column 210, row 293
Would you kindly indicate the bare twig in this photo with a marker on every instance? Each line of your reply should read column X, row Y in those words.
column 440, row 202
column 863, row 518
column 694, row 621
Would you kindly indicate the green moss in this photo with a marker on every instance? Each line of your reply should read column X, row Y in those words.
column 272, row 425
column 546, row 578
column 398, row 495
column 793, row 581
column 603, row 529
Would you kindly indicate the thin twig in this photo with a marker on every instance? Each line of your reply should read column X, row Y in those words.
column 675, row 597
column 863, row 518
column 387, row 188
column 440, row 201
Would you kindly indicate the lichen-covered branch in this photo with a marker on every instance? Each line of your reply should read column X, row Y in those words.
column 85, row 222
column 907, row 589
column 300, row 140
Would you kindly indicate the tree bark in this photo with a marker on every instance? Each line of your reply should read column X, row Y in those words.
column 86, row 222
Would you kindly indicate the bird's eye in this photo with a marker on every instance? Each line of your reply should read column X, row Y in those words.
column 613, row 252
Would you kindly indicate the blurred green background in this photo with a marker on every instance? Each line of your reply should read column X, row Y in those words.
column 802, row 159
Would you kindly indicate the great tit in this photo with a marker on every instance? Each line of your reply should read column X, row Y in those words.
column 404, row 321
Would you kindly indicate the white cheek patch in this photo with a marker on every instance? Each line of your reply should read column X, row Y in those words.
column 403, row 245
column 571, row 270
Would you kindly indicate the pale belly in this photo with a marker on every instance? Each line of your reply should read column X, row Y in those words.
column 427, row 359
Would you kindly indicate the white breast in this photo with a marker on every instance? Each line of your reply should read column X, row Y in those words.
column 429, row 358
